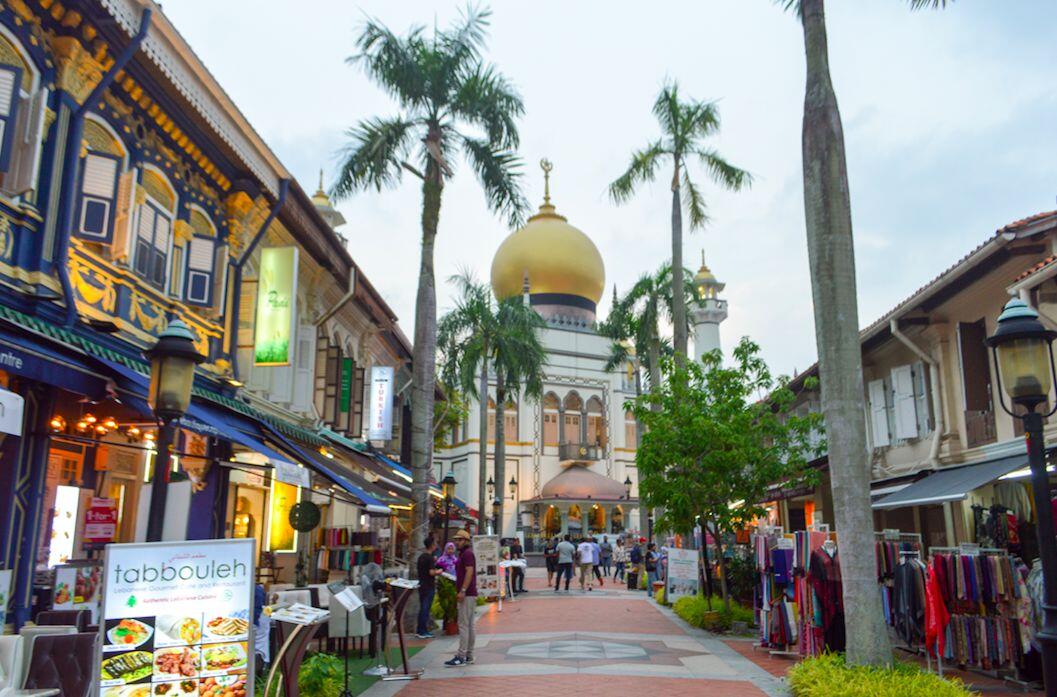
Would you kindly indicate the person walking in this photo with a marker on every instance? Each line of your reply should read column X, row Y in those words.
column 466, row 599
column 585, row 552
column 620, row 560
column 517, row 573
column 607, row 556
column 635, row 557
column 652, row 565
column 565, row 552
column 596, row 560
column 427, row 585
column 550, row 557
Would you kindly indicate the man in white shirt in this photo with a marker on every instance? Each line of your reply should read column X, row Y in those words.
column 586, row 559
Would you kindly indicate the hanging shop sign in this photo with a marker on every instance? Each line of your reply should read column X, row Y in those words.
column 78, row 587
column 290, row 473
column 682, row 579
column 345, row 392
column 381, row 403
column 276, row 298
column 177, row 618
column 281, row 535
column 12, row 407
column 486, row 550
column 100, row 522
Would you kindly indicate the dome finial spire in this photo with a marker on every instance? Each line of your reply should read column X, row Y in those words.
column 546, row 166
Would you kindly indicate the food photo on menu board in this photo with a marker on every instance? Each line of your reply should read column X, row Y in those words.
column 197, row 643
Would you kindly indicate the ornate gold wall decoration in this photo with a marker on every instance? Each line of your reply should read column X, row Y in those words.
column 152, row 323
column 7, row 243
column 182, row 230
column 10, row 55
column 104, row 297
column 78, row 72
column 98, row 139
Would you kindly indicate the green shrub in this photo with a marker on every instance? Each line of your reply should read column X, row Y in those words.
column 445, row 605
column 693, row 608
column 322, row 674
column 828, row 676
column 659, row 597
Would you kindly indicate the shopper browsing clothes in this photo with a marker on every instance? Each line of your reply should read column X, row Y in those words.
column 466, row 598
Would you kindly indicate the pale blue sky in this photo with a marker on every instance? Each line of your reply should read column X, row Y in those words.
column 949, row 119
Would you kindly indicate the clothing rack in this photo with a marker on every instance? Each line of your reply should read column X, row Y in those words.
column 772, row 551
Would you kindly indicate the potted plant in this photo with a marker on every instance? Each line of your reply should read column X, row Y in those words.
column 445, row 606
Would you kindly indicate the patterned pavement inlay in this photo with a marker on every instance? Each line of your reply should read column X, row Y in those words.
column 575, row 650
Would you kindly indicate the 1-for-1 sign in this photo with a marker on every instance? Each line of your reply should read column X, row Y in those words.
column 100, row 522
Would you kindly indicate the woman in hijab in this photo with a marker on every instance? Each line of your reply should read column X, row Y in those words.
column 447, row 560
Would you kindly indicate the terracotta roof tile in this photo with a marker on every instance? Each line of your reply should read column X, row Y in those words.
column 1023, row 222
column 1036, row 268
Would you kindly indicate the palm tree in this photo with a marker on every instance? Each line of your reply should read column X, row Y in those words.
column 830, row 248
column 685, row 125
column 468, row 335
column 441, row 84
column 481, row 334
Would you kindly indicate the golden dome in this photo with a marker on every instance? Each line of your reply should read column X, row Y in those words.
column 557, row 258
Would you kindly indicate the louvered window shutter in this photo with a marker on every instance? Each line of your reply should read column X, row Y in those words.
column 99, row 177
column 319, row 378
column 303, row 371
column 160, row 253
column 10, row 80
column 25, row 153
column 906, row 416
column 878, row 413
column 356, row 424
column 200, row 260
column 330, row 410
column 921, row 398
column 144, row 241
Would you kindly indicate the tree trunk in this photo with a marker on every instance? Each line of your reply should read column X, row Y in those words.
column 424, row 358
column 678, row 296
column 655, row 367
column 638, row 393
column 482, row 467
column 723, row 588
column 500, row 447
column 827, row 209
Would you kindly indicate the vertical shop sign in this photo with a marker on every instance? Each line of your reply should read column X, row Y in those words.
column 381, row 427
column 345, row 393
column 276, row 298
column 281, row 535
column 177, row 619
column 486, row 550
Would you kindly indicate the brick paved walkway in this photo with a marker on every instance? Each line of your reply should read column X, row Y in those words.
column 608, row 642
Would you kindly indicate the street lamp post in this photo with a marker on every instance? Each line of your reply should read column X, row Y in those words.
column 512, row 485
column 491, row 486
column 497, row 503
column 627, row 488
column 448, row 486
column 172, row 373
column 1023, row 355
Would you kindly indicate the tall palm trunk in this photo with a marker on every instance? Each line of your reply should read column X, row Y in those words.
column 655, row 366
column 678, row 297
column 424, row 357
column 827, row 208
column 638, row 393
column 482, row 469
column 500, row 447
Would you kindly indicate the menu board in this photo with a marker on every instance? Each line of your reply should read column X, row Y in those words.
column 682, row 578
column 177, row 619
column 77, row 587
column 486, row 550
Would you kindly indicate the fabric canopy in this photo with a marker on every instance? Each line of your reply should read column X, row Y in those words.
column 35, row 358
column 951, row 484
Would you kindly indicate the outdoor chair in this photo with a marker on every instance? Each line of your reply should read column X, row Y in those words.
column 66, row 662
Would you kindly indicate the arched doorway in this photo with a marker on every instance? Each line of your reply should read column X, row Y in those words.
column 616, row 521
column 576, row 521
column 552, row 521
column 597, row 520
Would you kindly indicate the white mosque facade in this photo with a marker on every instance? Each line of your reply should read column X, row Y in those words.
column 570, row 455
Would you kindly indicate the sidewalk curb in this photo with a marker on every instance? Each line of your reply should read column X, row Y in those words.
column 771, row 685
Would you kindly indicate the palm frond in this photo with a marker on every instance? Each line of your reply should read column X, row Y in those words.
column 486, row 99
column 461, row 46
column 375, row 156
column 694, row 202
column 643, row 168
column 929, row 4
column 392, row 62
column 700, row 119
column 722, row 172
column 666, row 108
column 499, row 171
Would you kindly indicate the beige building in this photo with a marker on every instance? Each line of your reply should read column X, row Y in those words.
column 946, row 459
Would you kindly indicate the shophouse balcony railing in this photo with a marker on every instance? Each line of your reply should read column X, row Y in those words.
column 580, row 452
column 979, row 428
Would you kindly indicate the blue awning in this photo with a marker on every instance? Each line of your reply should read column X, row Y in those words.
column 952, row 483
column 36, row 358
column 328, row 470
column 201, row 417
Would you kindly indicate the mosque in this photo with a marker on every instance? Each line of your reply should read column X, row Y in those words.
column 570, row 455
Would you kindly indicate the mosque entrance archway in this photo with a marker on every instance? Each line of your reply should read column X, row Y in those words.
column 552, row 521
column 576, row 521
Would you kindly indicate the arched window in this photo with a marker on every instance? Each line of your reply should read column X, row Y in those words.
column 198, row 282
column 631, row 432
column 22, row 106
column 99, row 185
column 616, row 521
column 552, row 521
column 596, row 520
column 596, row 422
column 551, row 407
column 510, row 420
column 576, row 523
column 491, row 420
column 156, row 201
column 571, row 408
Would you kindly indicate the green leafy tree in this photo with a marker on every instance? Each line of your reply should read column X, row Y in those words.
column 831, row 254
column 685, row 125
column 717, row 443
column 451, row 103
column 481, row 334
